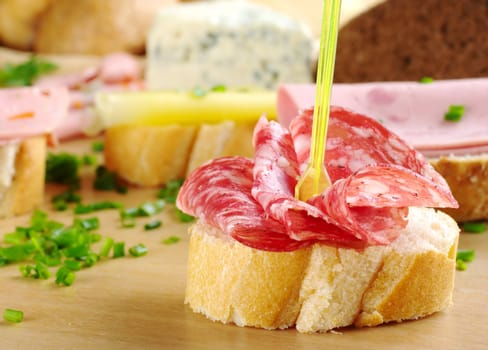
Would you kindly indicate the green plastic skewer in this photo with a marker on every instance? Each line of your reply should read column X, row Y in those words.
column 315, row 179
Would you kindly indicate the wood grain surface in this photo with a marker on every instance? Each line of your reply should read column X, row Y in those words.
column 137, row 303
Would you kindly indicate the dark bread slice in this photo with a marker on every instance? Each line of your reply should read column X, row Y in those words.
column 410, row 39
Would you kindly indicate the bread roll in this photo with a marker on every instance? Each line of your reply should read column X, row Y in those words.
column 96, row 27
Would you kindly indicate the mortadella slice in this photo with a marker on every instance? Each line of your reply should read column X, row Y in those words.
column 415, row 111
column 31, row 111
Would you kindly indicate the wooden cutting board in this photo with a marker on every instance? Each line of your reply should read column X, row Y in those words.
column 135, row 303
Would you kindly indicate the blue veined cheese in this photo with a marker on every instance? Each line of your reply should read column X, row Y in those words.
column 235, row 44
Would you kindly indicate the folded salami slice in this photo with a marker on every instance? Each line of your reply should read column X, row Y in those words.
column 219, row 193
column 375, row 178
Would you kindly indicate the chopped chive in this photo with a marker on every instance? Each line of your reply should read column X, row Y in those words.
column 119, row 249
column 183, row 217
column 73, row 265
column 219, row 88
column 97, row 146
column 67, row 196
column 426, row 80
column 152, row 225
column 171, row 240
column 461, row 265
column 63, row 169
column 90, row 259
column 170, row 191
column 138, row 250
column 107, row 246
column 60, row 205
column 88, row 223
column 41, row 271
column 14, row 316
column 151, row 208
column 128, row 221
column 474, row 227
column 106, row 180
column 65, row 276
column 465, row 255
column 454, row 113
column 90, row 208
column 89, row 159
column 26, row 270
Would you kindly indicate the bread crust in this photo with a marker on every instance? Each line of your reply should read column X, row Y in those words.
column 468, row 179
column 149, row 155
column 27, row 190
column 321, row 288
column 96, row 27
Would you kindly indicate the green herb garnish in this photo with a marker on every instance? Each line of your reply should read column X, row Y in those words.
column 454, row 113
column 65, row 276
column 152, row 225
column 461, row 265
column 426, row 80
column 119, row 249
column 465, row 255
column 106, row 180
column 90, row 208
column 97, row 146
column 138, row 250
column 14, row 316
column 183, row 217
column 170, row 191
column 474, row 227
column 171, row 240
column 107, row 246
column 25, row 73
column 63, row 169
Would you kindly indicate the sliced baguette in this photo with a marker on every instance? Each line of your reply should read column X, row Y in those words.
column 27, row 189
column 149, row 155
column 321, row 288
column 468, row 179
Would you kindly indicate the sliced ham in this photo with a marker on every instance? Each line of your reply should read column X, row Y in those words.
column 31, row 111
column 366, row 204
column 118, row 71
column 414, row 111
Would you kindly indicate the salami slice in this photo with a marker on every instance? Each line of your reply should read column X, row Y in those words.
column 355, row 141
column 376, row 177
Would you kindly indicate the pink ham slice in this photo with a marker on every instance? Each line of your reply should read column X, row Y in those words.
column 118, row 71
column 31, row 111
column 413, row 110
column 367, row 203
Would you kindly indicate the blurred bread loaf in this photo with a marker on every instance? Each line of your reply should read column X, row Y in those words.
column 95, row 27
column 407, row 40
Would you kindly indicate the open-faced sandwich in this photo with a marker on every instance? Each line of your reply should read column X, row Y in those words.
column 28, row 119
column 369, row 249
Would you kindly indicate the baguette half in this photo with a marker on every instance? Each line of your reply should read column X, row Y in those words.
column 321, row 288
column 26, row 191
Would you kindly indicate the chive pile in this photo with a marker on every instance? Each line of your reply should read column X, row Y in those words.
column 47, row 244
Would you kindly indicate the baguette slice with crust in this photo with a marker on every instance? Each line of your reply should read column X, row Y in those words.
column 27, row 189
column 321, row 287
column 149, row 155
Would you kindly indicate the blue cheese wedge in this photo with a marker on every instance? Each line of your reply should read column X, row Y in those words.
column 235, row 44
